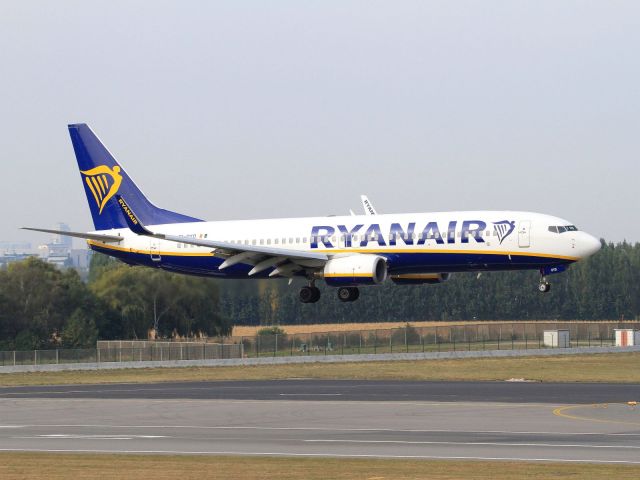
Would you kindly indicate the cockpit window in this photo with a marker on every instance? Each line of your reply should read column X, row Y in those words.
column 563, row 228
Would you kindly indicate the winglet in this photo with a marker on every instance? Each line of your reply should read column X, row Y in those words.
column 368, row 206
column 132, row 221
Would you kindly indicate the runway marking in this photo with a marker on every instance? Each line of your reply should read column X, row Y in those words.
column 273, row 401
column 560, row 412
column 492, row 444
column 321, row 429
column 310, row 394
column 325, row 455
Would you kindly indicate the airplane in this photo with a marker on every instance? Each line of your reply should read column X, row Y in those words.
column 346, row 252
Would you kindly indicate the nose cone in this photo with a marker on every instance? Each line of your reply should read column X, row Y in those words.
column 588, row 245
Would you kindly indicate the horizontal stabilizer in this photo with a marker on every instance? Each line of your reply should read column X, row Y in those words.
column 87, row 236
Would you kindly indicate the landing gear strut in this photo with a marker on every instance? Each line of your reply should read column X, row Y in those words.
column 310, row 294
column 543, row 286
column 348, row 294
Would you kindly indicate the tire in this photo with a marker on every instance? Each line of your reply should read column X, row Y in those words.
column 344, row 294
column 307, row 294
column 348, row 294
column 544, row 287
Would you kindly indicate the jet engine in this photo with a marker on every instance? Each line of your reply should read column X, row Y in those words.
column 353, row 270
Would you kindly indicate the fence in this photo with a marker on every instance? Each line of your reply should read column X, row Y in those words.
column 408, row 339
column 482, row 336
column 125, row 351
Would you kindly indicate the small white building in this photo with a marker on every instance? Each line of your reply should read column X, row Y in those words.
column 627, row 337
column 557, row 338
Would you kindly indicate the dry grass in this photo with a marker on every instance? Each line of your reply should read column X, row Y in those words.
column 617, row 367
column 248, row 331
column 32, row 466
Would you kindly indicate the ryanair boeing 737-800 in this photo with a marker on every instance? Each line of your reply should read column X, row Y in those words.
column 346, row 252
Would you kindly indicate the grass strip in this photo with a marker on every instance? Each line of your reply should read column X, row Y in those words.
column 50, row 466
column 610, row 368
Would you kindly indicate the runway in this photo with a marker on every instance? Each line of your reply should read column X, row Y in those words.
column 428, row 420
column 351, row 390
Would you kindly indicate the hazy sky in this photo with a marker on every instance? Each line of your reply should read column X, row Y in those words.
column 245, row 109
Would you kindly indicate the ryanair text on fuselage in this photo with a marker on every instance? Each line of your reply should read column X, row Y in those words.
column 321, row 234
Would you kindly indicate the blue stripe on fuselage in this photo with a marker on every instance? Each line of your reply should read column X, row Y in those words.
column 398, row 263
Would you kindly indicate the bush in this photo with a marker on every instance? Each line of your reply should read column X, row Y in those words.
column 275, row 330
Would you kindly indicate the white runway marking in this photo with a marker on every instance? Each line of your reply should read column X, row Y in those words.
column 493, row 444
column 321, row 429
column 67, row 436
column 324, row 455
column 310, row 394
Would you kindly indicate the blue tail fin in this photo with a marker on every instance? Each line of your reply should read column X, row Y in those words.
column 103, row 177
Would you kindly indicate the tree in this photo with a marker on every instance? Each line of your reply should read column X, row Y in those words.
column 79, row 331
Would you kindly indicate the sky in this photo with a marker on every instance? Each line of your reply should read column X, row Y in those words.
column 243, row 109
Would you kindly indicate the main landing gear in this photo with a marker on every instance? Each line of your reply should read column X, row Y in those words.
column 348, row 294
column 543, row 286
column 310, row 294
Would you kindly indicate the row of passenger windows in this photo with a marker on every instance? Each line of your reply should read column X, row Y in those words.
column 562, row 229
column 334, row 238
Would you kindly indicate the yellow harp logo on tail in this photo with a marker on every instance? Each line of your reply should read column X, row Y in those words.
column 103, row 182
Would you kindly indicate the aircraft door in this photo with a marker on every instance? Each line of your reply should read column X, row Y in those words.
column 524, row 234
column 154, row 250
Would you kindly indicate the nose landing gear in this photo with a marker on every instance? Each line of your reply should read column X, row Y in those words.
column 543, row 286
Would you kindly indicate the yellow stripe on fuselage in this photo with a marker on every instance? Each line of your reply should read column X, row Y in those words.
column 148, row 252
column 433, row 250
column 388, row 250
column 340, row 275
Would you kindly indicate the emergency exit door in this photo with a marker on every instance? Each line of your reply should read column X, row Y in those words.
column 154, row 250
column 524, row 234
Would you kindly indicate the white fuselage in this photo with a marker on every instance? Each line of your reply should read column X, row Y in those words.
column 411, row 242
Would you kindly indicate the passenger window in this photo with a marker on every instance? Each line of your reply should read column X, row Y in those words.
column 268, row 241
column 275, row 241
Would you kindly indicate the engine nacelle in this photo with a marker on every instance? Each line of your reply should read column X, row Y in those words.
column 420, row 278
column 355, row 270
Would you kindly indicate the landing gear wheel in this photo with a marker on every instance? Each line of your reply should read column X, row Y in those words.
column 309, row 294
column 544, row 287
column 348, row 294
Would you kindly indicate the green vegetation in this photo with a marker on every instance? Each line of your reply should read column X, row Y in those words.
column 562, row 368
column 34, row 466
column 603, row 287
column 41, row 307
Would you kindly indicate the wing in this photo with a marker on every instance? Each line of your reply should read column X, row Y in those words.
column 88, row 236
column 286, row 262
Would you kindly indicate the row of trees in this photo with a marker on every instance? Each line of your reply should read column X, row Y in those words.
column 605, row 286
column 41, row 306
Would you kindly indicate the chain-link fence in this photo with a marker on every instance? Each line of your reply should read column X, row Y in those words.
column 125, row 351
column 408, row 339
column 440, row 338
